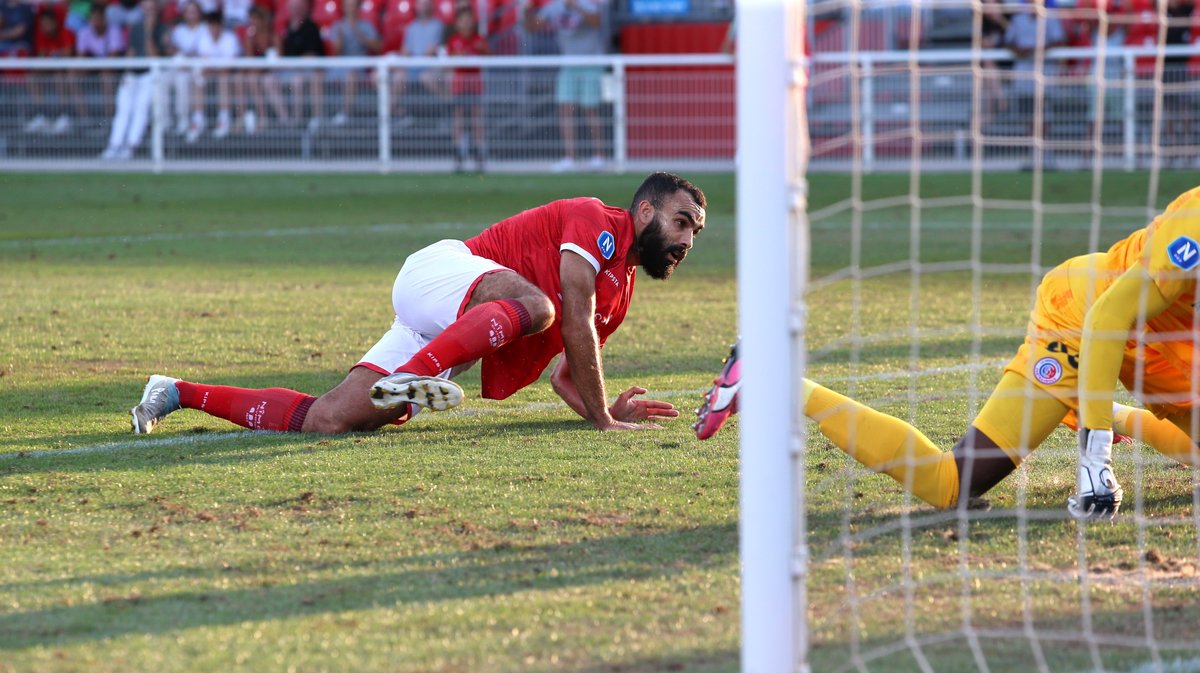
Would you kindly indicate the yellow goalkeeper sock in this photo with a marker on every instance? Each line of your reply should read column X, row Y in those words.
column 884, row 444
column 1162, row 435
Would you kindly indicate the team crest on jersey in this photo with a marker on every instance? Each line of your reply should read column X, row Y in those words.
column 1184, row 253
column 607, row 244
column 1047, row 371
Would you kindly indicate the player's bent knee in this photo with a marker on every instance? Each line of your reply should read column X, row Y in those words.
column 321, row 422
column 541, row 312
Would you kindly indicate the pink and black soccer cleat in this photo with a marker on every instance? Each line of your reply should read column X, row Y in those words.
column 721, row 401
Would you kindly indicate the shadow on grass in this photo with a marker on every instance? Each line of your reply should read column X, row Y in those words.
column 95, row 452
column 485, row 573
column 693, row 662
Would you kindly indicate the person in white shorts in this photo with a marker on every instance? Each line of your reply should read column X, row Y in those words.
column 185, row 41
column 556, row 279
column 429, row 291
column 216, row 42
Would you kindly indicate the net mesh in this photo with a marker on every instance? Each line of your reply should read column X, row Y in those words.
column 943, row 186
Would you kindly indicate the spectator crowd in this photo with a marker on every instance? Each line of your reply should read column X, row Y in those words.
column 204, row 99
column 209, row 100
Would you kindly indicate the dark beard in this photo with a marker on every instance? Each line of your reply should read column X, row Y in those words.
column 655, row 253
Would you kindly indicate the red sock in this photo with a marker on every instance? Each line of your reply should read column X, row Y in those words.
column 476, row 333
column 277, row 409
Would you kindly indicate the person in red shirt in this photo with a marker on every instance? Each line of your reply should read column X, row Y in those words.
column 466, row 89
column 52, row 40
column 554, row 279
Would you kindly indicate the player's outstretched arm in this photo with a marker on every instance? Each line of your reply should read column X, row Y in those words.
column 1133, row 299
column 625, row 408
column 581, row 344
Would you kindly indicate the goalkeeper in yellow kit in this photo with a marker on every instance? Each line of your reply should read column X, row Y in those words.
column 1125, row 315
column 1128, row 314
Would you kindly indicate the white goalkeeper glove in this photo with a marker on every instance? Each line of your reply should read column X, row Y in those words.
column 1097, row 495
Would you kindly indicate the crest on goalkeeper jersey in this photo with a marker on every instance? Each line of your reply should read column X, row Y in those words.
column 1048, row 371
column 1184, row 253
column 607, row 244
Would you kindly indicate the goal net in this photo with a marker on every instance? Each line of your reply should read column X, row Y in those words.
column 902, row 192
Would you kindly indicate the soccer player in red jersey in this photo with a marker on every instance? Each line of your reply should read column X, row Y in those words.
column 466, row 87
column 554, row 279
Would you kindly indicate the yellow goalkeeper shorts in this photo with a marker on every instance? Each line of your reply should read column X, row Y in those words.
column 1049, row 357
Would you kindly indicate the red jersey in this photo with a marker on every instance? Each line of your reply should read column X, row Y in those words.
column 62, row 44
column 531, row 243
column 466, row 81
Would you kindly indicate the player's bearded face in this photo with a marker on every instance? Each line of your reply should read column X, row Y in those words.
column 659, row 258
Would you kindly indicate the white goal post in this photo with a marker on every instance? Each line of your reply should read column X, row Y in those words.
column 772, row 249
column 926, row 265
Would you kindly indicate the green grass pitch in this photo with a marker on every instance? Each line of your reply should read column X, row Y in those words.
column 508, row 536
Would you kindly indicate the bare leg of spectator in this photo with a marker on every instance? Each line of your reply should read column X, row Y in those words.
column 247, row 120
column 399, row 88
column 296, row 85
column 36, row 113
column 196, row 127
column 316, row 86
column 223, row 118
column 461, row 144
column 61, row 82
column 432, row 79
column 993, row 94
column 75, row 93
column 347, row 99
column 566, row 125
column 270, row 84
column 480, row 137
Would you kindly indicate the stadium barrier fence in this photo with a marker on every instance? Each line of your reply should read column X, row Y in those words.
column 668, row 111
column 395, row 115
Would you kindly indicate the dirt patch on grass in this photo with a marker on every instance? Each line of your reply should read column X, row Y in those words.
column 1155, row 567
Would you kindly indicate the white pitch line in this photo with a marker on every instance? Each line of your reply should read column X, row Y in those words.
column 241, row 233
column 205, row 438
column 132, row 444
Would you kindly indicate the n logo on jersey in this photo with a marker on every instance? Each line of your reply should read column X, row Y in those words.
column 608, row 244
column 1184, row 253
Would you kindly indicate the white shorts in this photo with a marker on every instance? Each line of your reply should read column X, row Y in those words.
column 430, row 292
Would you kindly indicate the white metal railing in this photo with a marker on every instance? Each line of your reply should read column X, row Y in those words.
column 1134, row 108
column 661, row 109
column 512, row 84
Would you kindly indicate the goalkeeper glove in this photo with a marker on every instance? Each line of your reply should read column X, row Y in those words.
column 1098, row 495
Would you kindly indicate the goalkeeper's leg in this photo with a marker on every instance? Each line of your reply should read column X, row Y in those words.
column 1170, row 436
column 1016, row 415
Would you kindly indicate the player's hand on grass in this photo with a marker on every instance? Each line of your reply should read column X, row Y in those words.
column 1097, row 495
column 628, row 410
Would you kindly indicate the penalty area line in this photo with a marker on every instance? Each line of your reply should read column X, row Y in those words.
column 175, row 440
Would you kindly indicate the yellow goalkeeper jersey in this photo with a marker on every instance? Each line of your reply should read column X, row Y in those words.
column 1169, row 250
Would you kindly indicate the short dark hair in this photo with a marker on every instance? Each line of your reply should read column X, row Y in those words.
column 215, row 16
column 661, row 184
